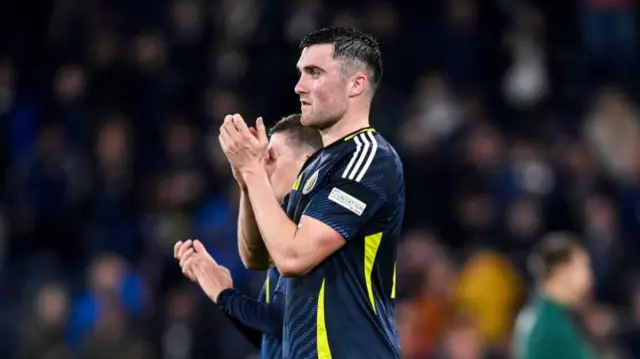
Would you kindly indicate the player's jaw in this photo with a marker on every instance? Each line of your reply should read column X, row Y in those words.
column 320, row 117
column 307, row 113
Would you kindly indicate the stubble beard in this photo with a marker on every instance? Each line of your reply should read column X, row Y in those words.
column 323, row 122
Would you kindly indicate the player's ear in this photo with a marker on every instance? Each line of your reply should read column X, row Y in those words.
column 358, row 84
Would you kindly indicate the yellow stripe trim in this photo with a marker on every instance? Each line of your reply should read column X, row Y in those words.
column 267, row 284
column 359, row 132
column 324, row 352
column 296, row 184
column 371, row 245
column 393, row 288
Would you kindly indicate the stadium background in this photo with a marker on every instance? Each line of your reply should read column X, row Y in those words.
column 513, row 120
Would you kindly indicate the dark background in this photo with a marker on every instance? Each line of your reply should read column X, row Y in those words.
column 513, row 119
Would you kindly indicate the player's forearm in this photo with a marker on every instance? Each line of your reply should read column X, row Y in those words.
column 252, row 250
column 277, row 230
column 264, row 317
column 253, row 335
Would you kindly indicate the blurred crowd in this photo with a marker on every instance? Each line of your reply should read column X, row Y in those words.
column 513, row 118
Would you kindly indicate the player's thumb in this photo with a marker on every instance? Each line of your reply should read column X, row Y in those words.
column 262, row 131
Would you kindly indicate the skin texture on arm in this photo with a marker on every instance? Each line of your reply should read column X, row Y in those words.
column 287, row 150
column 253, row 253
column 295, row 250
column 251, row 247
column 326, row 224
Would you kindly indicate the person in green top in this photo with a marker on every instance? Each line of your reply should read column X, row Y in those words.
column 545, row 328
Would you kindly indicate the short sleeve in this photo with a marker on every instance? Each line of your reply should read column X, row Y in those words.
column 346, row 202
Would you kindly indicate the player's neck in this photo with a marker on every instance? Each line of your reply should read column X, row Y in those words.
column 351, row 122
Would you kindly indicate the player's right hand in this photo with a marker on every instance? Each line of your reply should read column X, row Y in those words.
column 261, row 134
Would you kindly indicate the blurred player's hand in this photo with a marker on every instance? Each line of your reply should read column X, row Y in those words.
column 243, row 148
column 182, row 251
column 212, row 277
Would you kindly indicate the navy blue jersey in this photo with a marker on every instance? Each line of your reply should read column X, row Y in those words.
column 271, row 346
column 344, row 307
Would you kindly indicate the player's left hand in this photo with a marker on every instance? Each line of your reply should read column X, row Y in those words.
column 243, row 149
column 212, row 277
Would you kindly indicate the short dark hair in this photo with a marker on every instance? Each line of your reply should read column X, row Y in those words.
column 352, row 45
column 554, row 250
column 303, row 136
